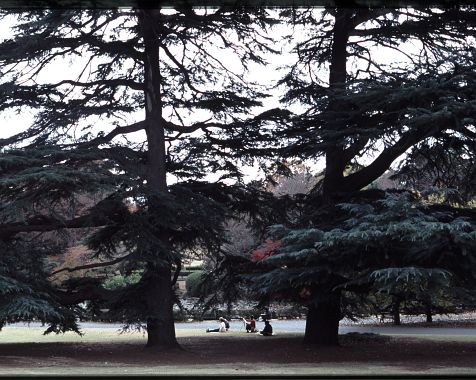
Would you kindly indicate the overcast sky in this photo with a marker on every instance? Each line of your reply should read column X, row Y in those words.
column 265, row 75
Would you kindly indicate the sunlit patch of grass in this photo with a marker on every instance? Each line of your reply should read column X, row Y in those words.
column 110, row 335
column 35, row 335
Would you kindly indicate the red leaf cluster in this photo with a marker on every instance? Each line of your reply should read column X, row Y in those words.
column 268, row 248
column 304, row 293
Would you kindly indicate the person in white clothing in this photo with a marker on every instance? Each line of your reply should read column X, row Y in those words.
column 222, row 327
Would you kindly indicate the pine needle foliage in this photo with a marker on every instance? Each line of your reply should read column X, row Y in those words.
column 396, row 241
column 146, row 110
column 25, row 294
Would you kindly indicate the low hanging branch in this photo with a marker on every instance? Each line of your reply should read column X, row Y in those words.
column 89, row 266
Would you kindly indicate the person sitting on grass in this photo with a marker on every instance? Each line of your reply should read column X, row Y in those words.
column 268, row 329
column 222, row 328
column 250, row 324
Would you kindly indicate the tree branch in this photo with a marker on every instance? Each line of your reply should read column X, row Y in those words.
column 96, row 293
column 355, row 148
column 44, row 224
column 180, row 68
column 192, row 128
column 89, row 266
column 365, row 176
column 468, row 133
column 140, row 125
column 364, row 15
column 108, row 82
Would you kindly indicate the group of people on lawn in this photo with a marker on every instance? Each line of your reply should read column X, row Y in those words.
column 250, row 325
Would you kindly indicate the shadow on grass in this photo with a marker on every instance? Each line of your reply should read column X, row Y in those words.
column 245, row 353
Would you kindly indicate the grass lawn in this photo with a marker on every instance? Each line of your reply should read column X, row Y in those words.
column 25, row 351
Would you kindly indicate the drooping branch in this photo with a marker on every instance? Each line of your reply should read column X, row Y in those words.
column 32, row 132
column 467, row 132
column 88, row 293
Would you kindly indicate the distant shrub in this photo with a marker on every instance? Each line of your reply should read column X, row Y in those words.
column 120, row 281
column 195, row 284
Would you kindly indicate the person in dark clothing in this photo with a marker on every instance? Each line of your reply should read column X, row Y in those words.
column 268, row 329
column 250, row 324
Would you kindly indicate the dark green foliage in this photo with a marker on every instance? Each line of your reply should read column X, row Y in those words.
column 156, row 207
column 120, row 281
column 446, row 163
column 356, row 110
column 25, row 294
column 394, row 245
column 364, row 107
column 194, row 284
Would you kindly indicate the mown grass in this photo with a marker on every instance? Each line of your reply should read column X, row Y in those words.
column 35, row 335
column 236, row 369
column 102, row 335
column 56, row 364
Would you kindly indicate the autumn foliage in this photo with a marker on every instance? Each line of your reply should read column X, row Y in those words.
column 304, row 293
column 268, row 248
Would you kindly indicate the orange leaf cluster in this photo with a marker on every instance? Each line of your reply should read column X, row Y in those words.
column 267, row 249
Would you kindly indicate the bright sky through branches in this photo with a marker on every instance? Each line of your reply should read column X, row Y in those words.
column 79, row 67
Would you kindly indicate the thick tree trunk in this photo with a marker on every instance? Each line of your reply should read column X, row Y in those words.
column 159, row 298
column 322, row 323
column 160, row 321
column 335, row 162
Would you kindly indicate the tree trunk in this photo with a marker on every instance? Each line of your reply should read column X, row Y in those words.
column 396, row 312
column 335, row 163
column 160, row 321
column 322, row 322
column 428, row 312
column 159, row 298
